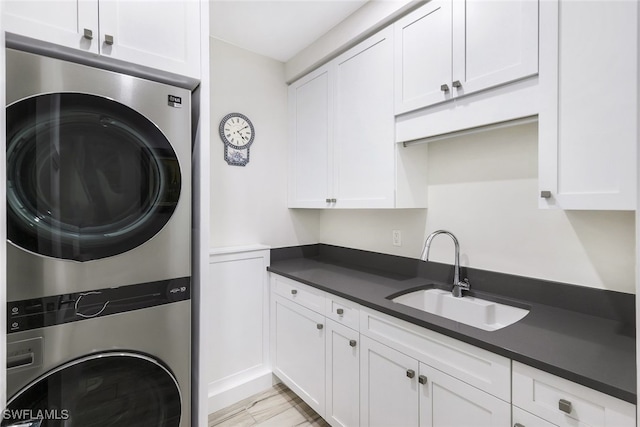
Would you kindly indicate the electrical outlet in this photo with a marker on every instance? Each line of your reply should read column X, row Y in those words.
column 397, row 238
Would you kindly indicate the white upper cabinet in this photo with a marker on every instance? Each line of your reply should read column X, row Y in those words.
column 588, row 129
column 494, row 42
column 310, row 133
column 163, row 35
column 342, row 151
column 423, row 49
column 71, row 23
column 451, row 48
column 364, row 125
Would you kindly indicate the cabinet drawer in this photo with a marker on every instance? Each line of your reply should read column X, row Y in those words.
column 563, row 402
column 480, row 368
column 524, row 419
column 302, row 294
column 343, row 311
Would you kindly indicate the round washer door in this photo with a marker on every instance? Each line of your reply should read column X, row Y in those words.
column 87, row 177
column 101, row 390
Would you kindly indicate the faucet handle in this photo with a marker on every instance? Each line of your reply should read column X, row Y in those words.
column 464, row 284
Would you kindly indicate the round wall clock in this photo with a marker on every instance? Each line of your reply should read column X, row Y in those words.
column 237, row 134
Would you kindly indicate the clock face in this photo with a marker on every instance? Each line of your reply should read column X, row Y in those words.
column 236, row 130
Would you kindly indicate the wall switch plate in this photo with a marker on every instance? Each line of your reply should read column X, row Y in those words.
column 397, row 238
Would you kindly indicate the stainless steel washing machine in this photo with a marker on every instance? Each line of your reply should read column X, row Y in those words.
column 102, row 358
column 98, row 178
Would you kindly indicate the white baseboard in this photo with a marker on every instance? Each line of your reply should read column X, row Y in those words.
column 220, row 398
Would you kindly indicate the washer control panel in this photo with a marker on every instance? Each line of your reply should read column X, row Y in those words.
column 58, row 309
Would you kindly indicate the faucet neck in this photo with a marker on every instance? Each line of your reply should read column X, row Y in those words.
column 427, row 247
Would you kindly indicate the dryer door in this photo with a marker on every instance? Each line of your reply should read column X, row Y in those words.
column 87, row 177
column 107, row 389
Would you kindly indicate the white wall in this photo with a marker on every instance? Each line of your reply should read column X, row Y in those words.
column 248, row 204
column 483, row 188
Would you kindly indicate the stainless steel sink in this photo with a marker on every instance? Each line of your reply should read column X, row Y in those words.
column 472, row 311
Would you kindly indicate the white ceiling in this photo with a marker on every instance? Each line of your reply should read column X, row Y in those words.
column 278, row 29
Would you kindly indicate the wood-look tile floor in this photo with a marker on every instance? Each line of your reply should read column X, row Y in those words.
column 276, row 407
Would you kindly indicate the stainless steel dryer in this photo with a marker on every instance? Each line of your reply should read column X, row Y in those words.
column 103, row 358
column 98, row 178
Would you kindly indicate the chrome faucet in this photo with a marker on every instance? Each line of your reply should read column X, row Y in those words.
column 458, row 286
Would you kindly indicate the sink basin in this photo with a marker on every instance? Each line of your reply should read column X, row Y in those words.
column 472, row 311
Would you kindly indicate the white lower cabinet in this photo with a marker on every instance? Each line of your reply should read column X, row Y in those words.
column 388, row 386
column 397, row 389
column 314, row 352
column 525, row 419
column 299, row 351
column 342, row 375
column 448, row 401
column 358, row 367
column 564, row 403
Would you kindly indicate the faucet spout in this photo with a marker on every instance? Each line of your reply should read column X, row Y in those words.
column 458, row 286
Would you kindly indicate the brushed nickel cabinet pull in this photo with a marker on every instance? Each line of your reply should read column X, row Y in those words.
column 411, row 373
column 564, row 406
column 87, row 34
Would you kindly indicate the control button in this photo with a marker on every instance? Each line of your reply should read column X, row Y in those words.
column 14, row 309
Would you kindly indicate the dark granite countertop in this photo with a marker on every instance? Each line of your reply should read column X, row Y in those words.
column 594, row 351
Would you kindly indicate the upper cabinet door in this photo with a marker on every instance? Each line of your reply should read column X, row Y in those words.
column 364, row 162
column 423, row 47
column 163, row 35
column 72, row 23
column 450, row 48
column 588, row 131
column 310, row 128
column 494, row 42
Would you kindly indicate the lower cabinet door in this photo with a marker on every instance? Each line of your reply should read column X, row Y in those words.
column 299, row 352
column 388, row 386
column 343, row 375
column 447, row 401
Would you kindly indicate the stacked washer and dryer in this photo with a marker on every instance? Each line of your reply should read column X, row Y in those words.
column 98, row 257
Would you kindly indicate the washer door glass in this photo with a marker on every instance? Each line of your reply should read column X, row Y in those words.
column 87, row 177
column 118, row 389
